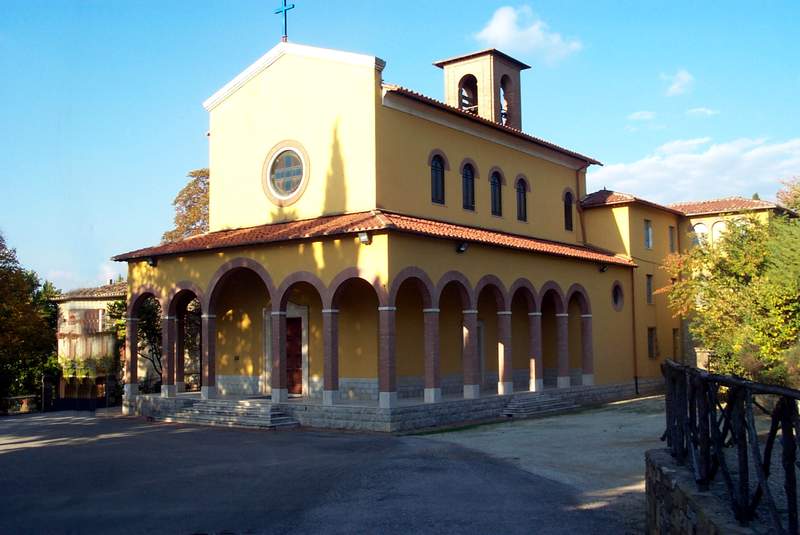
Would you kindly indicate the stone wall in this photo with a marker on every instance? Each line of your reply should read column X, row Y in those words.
column 676, row 507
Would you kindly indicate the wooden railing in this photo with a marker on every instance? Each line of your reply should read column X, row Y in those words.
column 709, row 414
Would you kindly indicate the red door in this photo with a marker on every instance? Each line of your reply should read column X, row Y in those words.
column 294, row 355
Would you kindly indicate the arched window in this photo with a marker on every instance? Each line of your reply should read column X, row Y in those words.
column 468, row 94
column 522, row 200
column 568, row 210
column 717, row 230
column 496, row 183
column 468, row 186
column 700, row 234
column 437, row 179
column 617, row 296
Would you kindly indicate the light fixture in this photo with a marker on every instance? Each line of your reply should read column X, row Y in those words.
column 152, row 261
column 462, row 247
column 603, row 268
column 364, row 238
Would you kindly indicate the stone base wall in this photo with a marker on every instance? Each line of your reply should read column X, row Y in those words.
column 406, row 418
column 676, row 507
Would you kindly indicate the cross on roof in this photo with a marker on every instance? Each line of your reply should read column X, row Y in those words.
column 283, row 10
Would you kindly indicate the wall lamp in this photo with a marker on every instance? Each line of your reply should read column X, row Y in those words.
column 152, row 261
column 364, row 238
column 603, row 268
column 461, row 247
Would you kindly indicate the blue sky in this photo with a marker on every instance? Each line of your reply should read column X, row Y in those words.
column 101, row 116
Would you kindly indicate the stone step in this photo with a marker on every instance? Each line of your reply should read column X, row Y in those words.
column 524, row 411
column 237, row 422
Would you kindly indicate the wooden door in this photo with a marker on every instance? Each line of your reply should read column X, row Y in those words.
column 294, row 355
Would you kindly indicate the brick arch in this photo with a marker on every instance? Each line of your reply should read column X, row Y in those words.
column 579, row 292
column 439, row 152
column 499, row 171
column 474, row 165
column 528, row 292
column 225, row 269
column 551, row 286
column 181, row 289
column 422, row 281
column 524, row 179
column 333, row 293
column 282, row 294
column 499, row 293
column 138, row 297
column 465, row 289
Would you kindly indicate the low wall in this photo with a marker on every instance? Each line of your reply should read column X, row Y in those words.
column 676, row 507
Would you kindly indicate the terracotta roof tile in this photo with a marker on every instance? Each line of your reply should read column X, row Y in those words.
column 107, row 291
column 370, row 221
column 471, row 116
column 605, row 197
column 727, row 204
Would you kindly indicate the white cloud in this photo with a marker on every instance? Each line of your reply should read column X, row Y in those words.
column 520, row 31
column 691, row 169
column 642, row 116
column 679, row 83
column 110, row 271
column 702, row 112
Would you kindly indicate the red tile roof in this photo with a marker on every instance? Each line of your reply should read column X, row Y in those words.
column 116, row 290
column 476, row 118
column 717, row 206
column 370, row 221
column 605, row 197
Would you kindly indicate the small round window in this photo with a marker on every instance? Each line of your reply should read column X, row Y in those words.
column 616, row 296
column 286, row 173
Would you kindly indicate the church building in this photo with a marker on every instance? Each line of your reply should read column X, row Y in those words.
column 371, row 245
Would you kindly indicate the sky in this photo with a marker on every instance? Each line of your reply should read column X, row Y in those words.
column 101, row 116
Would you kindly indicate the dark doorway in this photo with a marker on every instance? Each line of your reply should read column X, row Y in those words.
column 294, row 355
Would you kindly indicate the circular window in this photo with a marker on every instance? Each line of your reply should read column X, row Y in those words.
column 285, row 173
column 616, row 296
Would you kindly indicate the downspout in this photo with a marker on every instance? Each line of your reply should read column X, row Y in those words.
column 635, row 343
column 578, row 200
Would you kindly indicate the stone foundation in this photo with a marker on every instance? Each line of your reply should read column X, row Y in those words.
column 676, row 507
column 312, row 413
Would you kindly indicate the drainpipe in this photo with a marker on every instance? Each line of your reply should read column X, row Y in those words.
column 578, row 199
column 635, row 344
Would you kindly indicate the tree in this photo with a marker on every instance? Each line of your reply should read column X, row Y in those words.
column 742, row 297
column 148, row 332
column 28, row 320
column 191, row 207
column 789, row 195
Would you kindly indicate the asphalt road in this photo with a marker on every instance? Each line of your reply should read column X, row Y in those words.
column 81, row 474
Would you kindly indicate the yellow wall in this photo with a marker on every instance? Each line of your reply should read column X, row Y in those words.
column 240, row 333
column 410, row 328
column 329, row 107
column 405, row 142
column 608, row 228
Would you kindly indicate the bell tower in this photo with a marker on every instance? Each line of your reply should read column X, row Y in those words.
column 486, row 83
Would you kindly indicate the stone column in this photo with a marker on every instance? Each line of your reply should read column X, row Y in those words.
column 472, row 369
column 208, row 390
column 330, row 355
column 168, row 356
column 280, row 390
column 537, row 373
column 562, row 348
column 180, row 353
column 132, row 364
column 587, row 351
column 387, row 364
column 505, row 367
column 433, row 385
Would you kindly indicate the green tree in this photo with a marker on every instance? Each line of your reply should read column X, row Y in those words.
column 148, row 333
column 742, row 297
column 191, row 207
column 789, row 195
column 28, row 320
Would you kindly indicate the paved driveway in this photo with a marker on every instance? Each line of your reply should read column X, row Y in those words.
column 79, row 474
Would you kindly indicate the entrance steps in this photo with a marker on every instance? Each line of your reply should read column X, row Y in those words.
column 251, row 413
column 537, row 404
